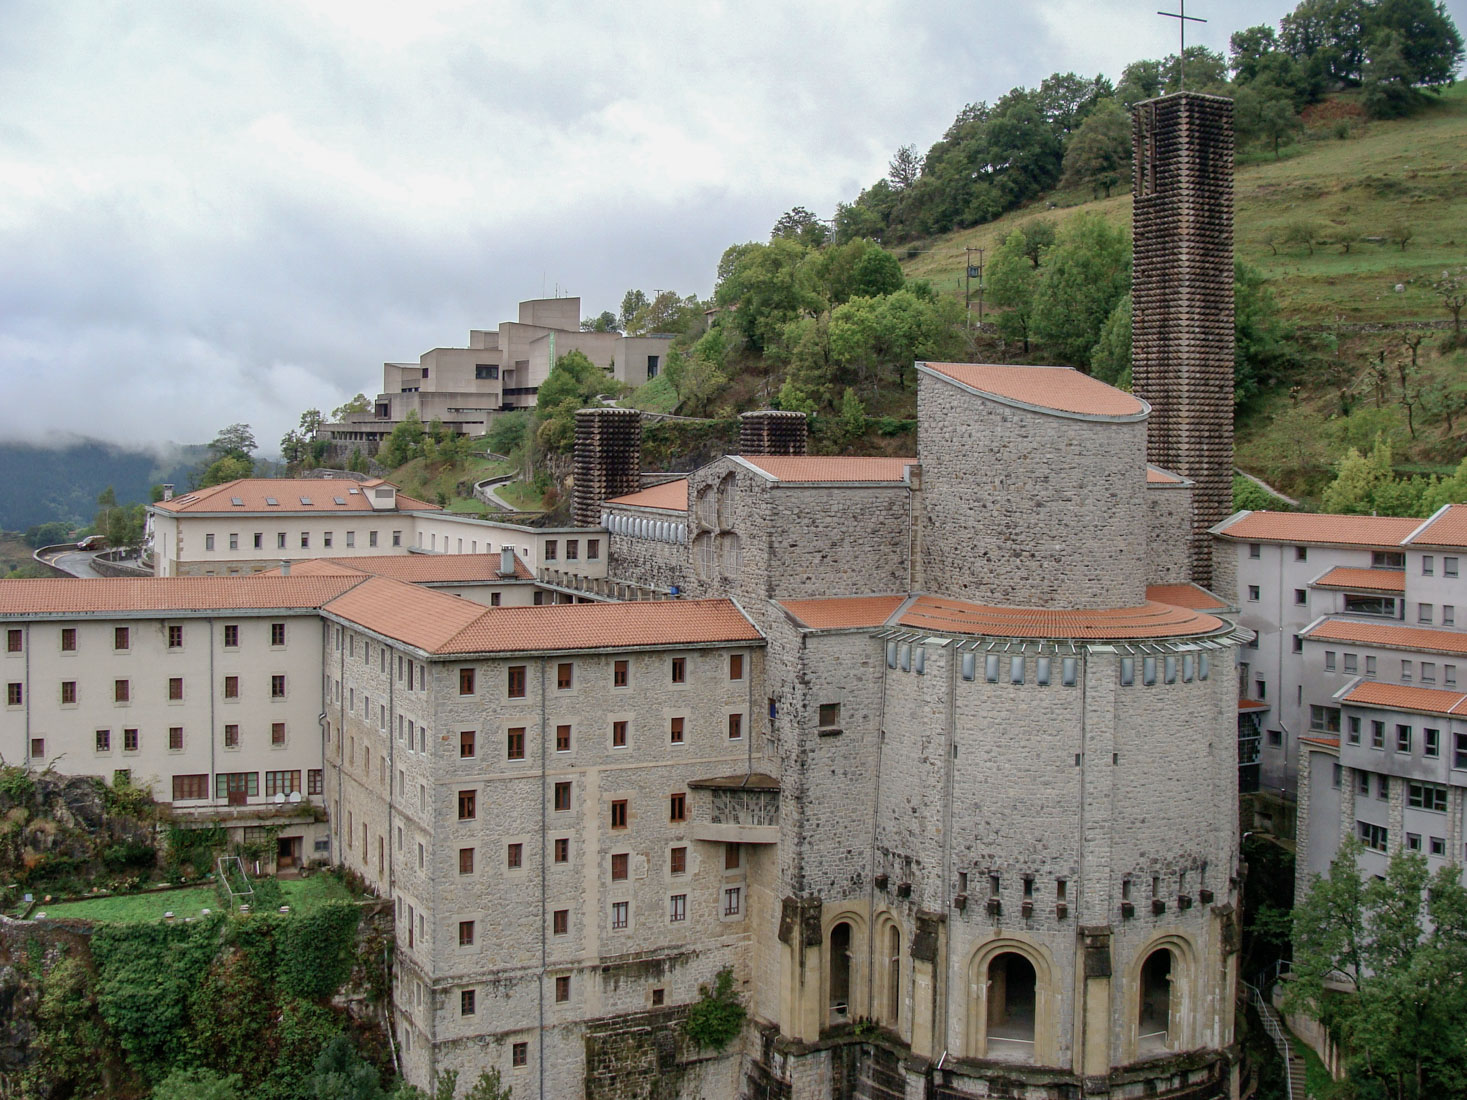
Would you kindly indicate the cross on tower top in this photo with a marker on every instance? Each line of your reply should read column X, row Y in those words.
column 1182, row 18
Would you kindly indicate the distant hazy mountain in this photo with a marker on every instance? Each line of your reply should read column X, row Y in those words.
column 39, row 483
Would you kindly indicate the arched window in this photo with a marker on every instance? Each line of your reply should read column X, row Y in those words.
column 893, row 977
column 840, row 973
column 1011, row 1005
column 1154, row 1031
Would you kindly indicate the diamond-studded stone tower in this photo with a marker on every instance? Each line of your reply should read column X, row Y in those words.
column 608, row 459
column 773, row 432
column 1182, row 298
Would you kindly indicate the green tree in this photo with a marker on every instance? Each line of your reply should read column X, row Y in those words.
column 1451, row 288
column 227, row 468
column 905, row 167
column 311, row 422
column 405, row 442
column 1110, row 359
column 799, row 224
column 1099, row 156
column 1012, row 281
column 1261, row 340
column 606, row 321
column 1082, row 278
column 237, row 440
column 1430, row 43
column 766, row 286
column 631, row 301
column 571, row 385
column 341, row 1074
column 1388, row 90
column 358, row 404
column 198, row 1083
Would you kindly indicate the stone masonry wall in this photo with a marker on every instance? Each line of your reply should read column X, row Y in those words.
column 1168, row 521
column 1026, row 509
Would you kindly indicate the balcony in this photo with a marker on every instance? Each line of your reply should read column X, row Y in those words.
column 737, row 809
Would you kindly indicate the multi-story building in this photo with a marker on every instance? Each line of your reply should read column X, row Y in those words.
column 1356, row 629
column 501, row 369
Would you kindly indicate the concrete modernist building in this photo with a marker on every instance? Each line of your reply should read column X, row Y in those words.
column 501, row 369
column 1357, row 672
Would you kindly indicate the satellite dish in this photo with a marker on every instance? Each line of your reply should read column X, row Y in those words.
column 295, row 796
column 280, row 800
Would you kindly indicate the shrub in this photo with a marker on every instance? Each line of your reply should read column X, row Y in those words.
column 715, row 1019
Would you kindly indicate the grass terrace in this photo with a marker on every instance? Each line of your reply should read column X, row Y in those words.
column 302, row 895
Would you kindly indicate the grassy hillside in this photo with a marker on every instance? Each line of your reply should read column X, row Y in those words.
column 1412, row 171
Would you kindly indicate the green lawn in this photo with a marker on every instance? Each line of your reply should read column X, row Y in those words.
column 301, row 894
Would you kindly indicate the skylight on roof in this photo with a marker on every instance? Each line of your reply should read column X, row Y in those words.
column 306, row 501
column 339, row 500
column 272, row 502
column 355, row 492
column 237, row 502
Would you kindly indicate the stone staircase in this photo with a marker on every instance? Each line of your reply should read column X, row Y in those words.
column 1280, row 1036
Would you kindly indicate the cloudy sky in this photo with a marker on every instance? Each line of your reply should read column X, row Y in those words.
column 232, row 211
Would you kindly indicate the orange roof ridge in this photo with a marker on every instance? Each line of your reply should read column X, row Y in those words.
column 1390, row 634
column 131, row 595
column 825, row 470
column 1406, row 697
column 604, row 626
column 287, row 492
column 1447, row 528
column 1048, row 389
column 670, row 496
column 1149, row 620
column 1186, row 595
column 1356, row 579
column 843, row 612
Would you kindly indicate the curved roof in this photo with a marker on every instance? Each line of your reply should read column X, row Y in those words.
column 670, row 496
column 1047, row 389
column 1150, row 620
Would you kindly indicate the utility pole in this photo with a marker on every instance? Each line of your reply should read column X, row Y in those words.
column 968, row 286
column 980, row 286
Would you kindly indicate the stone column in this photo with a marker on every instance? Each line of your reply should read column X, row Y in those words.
column 608, row 460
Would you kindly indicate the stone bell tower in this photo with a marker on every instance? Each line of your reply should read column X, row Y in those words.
column 1182, row 298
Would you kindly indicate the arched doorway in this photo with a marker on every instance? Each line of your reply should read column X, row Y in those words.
column 840, row 973
column 893, row 977
column 1011, row 1007
column 1154, row 1024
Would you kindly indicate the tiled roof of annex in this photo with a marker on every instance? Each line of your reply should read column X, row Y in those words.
column 670, row 496
column 828, row 471
column 1152, row 620
column 255, row 493
column 1448, row 528
column 1185, row 595
column 448, row 625
column 1155, row 475
column 1372, row 693
column 1362, row 580
column 413, row 568
column 1316, row 527
column 144, row 595
column 1052, row 389
column 1388, row 635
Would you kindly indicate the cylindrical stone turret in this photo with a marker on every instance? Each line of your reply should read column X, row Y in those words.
column 608, row 459
column 773, row 432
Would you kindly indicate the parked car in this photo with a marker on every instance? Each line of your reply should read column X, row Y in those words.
column 93, row 542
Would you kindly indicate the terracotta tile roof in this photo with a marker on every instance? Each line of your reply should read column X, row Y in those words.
column 1327, row 742
column 1372, row 693
column 1185, row 595
column 671, row 496
column 253, row 492
column 843, row 612
column 1252, row 704
column 1057, row 389
column 605, row 626
column 1150, row 620
column 71, row 595
column 1448, row 528
column 1318, row 527
column 1363, row 580
column 418, row 616
column 1390, row 635
column 830, row 470
column 1155, row 475
column 413, row 568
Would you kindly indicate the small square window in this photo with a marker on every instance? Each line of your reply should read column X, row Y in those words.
column 466, row 681
column 1301, row 553
column 520, row 1055
column 562, row 739
column 1438, row 846
column 1255, row 550
column 677, row 862
column 1301, row 596
column 562, row 849
column 38, row 748
column 104, row 740
column 1449, row 567
column 679, row 670
column 675, row 731
column 562, row 989
column 466, row 743
column 829, row 715
column 1413, row 842
column 231, row 736
column 467, row 805
column 564, row 676
column 466, row 936
column 619, row 674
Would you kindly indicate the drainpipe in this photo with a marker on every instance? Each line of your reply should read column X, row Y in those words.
column 950, row 754
column 26, row 748
column 544, row 886
column 213, row 716
column 875, row 825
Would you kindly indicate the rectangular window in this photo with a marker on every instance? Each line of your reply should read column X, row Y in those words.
column 104, row 742
column 677, row 908
column 1352, row 663
column 466, row 996
column 593, row 549
column 618, row 735
column 564, row 676
column 1383, row 787
column 1387, row 559
column 675, row 734
column 679, row 670
column 619, row 813
column 1253, row 593
column 371, row 538
column 466, row 747
column 1449, row 567
column 1413, row 842
column 562, row 849
column 1423, row 612
column 282, row 782
column 466, row 861
column 68, row 639
column 208, row 542
column 397, row 538
column 130, row 740
column 277, row 633
column 305, row 540
column 572, row 549
column 175, row 688
column 1255, row 550
column 1438, row 846
column 280, row 540
column 677, row 862
column 1326, row 719
column 14, row 640
column 175, row 738
column 619, row 865
column 1301, row 553
column 552, row 551
column 326, row 540
column 1301, row 596
column 1449, row 614
column 1298, row 644
column 1405, row 672
column 731, row 857
column 731, row 898
column 1374, row 837
column 1377, row 735
column 563, row 796
column 515, row 681
column 619, row 911
column 1403, row 738
column 1369, row 666
column 560, row 922
column 1329, row 660
column 677, row 809
column 1354, row 728
column 619, row 674
column 1426, row 796
column 466, row 939
column 515, row 743
column 231, row 635
column 121, row 691
column 175, row 637
column 237, row 786
column 466, row 681
column 351, row 540
column 1449, row 675
column 467, row 805
column 1431, row 742
column 259, row 540
column 277, row 686
column 1428, row 565
column 562, row 989
column 520, row 1055
column 514, row 856
column 187, row 788
column 314, row 778
column 562, row 739
column 231, row 736
column 121, row 637
column 15, row 693
column 736, row 666
column 735, row 726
